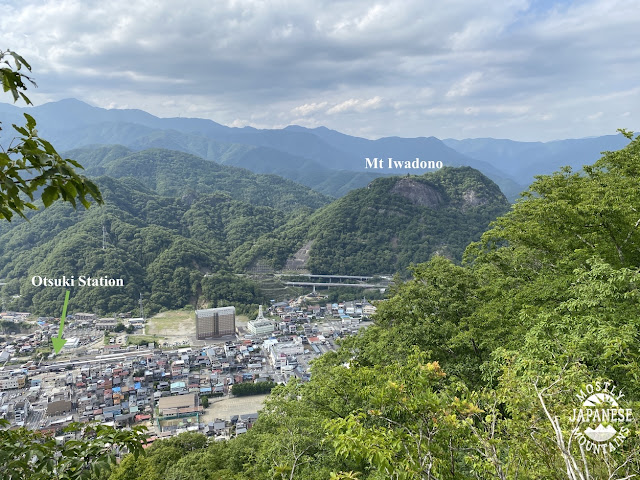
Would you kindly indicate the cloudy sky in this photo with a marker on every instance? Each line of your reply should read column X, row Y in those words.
column 520, row 69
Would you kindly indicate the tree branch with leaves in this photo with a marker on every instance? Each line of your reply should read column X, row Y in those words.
column 30, row 166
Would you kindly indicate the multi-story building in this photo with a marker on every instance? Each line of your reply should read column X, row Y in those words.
column 368, row 309
column 261, row 325
column 215, row 322
column 21, row 411
column 106, row 323
column 9, row 382
column 279, row 352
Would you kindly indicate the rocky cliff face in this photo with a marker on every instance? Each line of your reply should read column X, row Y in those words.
column 470, row 198
column 419, row 193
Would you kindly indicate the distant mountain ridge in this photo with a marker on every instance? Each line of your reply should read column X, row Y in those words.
column 326, row 160
column 525, row 159
column 176, row 173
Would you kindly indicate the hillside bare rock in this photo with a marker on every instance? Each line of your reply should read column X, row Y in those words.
column 419, row 193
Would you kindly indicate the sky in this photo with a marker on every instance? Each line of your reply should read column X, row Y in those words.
column 531, row 70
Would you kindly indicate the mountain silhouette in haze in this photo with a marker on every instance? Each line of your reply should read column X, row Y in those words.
column 328, row 161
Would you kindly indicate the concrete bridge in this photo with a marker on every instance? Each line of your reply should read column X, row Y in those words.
column 332, row 284
column 347, row 277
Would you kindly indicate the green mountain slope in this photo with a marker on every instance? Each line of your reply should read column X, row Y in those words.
column 257, row 159
column 172, row 251
column 174, row 227
column 335, row 183
column 386, row 226
column 169, row 172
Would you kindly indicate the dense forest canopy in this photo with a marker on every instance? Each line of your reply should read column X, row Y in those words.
column 168, row 249
column 172, row 173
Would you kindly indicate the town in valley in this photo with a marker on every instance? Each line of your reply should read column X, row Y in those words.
column 206, row 370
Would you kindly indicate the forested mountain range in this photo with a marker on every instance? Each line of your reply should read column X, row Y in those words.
column 171, row 250
column 178, row 228
column 330, row 162
column 176, row 173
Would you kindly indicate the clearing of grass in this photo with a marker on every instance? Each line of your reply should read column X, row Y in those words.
column 226, row 407
column 172, row 323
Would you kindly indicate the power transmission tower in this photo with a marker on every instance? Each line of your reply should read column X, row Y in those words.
column 141, row 307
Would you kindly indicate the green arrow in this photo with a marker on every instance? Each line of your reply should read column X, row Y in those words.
column 58, row 342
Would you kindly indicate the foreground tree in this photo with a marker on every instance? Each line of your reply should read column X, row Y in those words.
column 30, row 166
column 28, row 455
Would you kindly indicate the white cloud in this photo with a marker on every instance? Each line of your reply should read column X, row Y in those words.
column 308, row 108
column 314, row 61
column 511, row 109
column 238, row 123
column 355, row 105
column 544, row 117
column 437, row 111
column 465, row 86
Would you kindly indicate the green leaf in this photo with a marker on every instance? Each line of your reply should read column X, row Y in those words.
column 26, row 99
column 49, row 195
column 31, row 122
column 21, row 130
column 20, row 61
column 70, row 189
